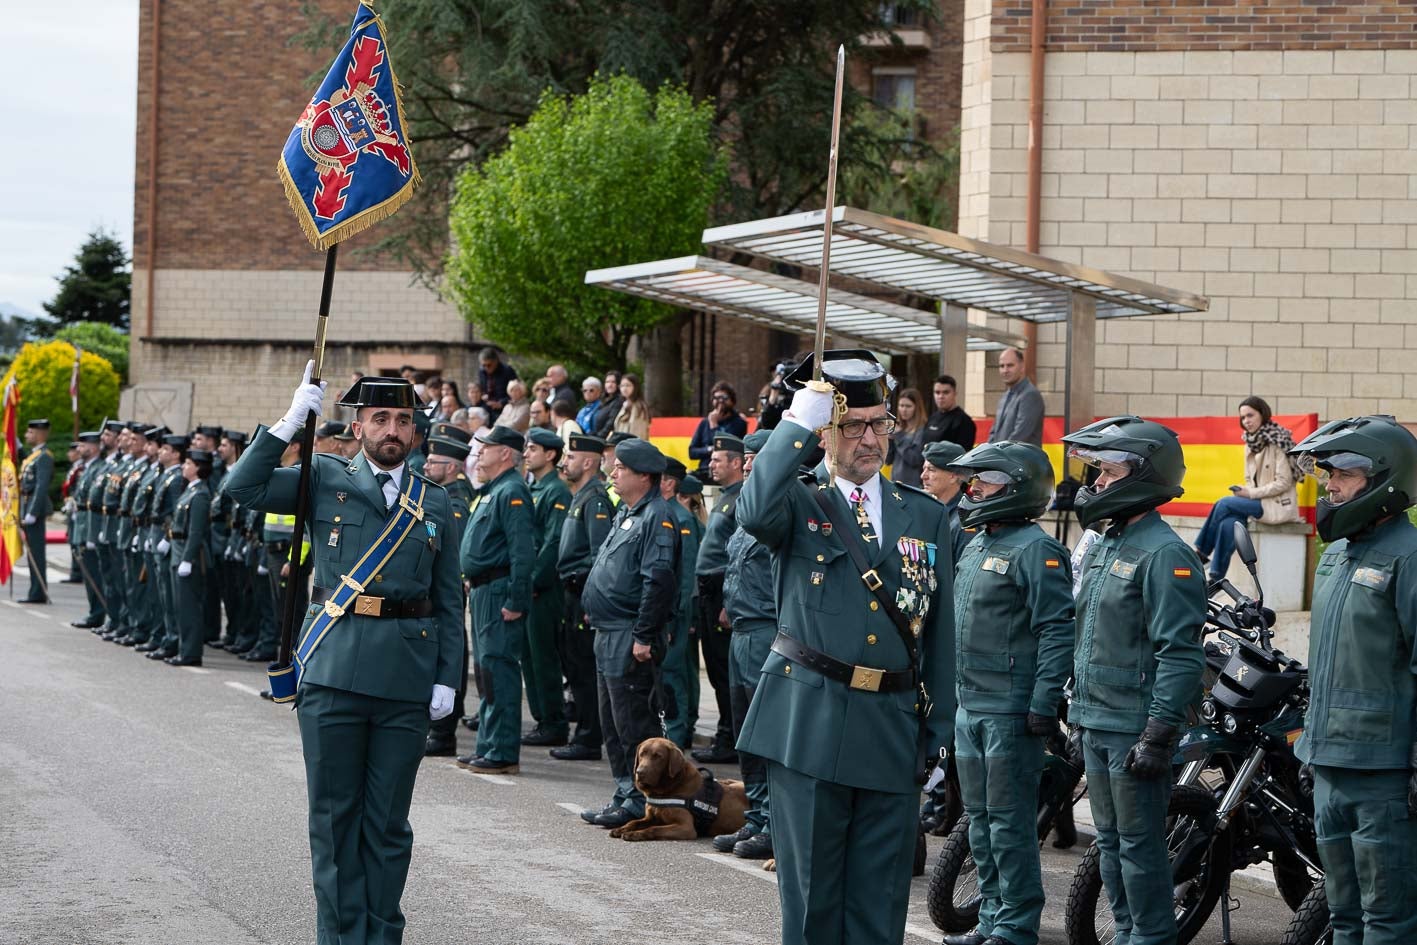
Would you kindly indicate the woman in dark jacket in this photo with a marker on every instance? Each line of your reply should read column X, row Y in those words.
column 909, row 438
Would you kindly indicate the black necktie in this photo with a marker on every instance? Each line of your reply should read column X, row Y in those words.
column 383, row 479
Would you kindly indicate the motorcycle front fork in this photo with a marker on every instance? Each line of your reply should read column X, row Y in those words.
column 1234, row 795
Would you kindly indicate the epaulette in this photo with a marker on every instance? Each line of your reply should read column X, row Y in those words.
column 899, row 486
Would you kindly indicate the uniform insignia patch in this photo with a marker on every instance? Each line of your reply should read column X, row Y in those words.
column 1123, row 569
column 341, row 496
column 432, row 529
column 515, row 502
column 827, row 528
column 683, row 531
column 601, row 515
column 817, row 577
column 558, row 506
column 334, row 538
column 996, row 564
column 1372, row 577
column 1051, row 562
column 811, row 524
column 667, row 525
column 1181, row 572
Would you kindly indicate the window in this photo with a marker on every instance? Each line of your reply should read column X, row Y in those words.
column 893, row 88
column 896, row 15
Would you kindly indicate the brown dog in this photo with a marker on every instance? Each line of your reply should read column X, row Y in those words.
column 662, row 772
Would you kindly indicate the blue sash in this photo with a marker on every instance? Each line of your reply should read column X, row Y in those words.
column 286, row 679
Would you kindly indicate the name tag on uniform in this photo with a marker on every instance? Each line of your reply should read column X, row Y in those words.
column 1124, row 570
column 626, row 525
column 995, row 564
column 1372, row 577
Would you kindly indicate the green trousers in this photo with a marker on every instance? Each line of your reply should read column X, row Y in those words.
column 38, row 564
column 188, row 595
column 843, row 860
column 1130, row 815
column 1368, row 845
column 140, row 588
column 999, row 765
column 675, row 675
column 497, row 648
column 93, row 586
column 541, row 666
column 115, row 588
column 747, row 651
column 361, row 761
column 168, row 631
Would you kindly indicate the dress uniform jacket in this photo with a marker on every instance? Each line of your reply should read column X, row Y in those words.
column 191, row 526
column 36, row 473
column 388, row 658
column 801, row 719
column 500, row 535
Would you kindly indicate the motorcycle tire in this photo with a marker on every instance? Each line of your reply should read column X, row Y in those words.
column 953, row 897
column 1190, row 820
column 1292, row 877
column 1310, row 925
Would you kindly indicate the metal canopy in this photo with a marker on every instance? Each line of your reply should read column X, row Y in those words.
column 947, row 267
column 723, row 288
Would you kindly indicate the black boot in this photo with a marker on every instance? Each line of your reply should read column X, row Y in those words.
column 756, row 847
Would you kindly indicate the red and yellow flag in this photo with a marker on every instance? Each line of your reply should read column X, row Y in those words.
column 10, row 548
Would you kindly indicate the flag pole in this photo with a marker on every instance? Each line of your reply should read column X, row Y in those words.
column 298, row 566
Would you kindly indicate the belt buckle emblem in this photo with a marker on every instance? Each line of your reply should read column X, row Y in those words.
column 366, row 606
column 866, row 679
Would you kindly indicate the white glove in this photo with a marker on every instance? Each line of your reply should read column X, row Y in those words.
column 811, row 408
column 441, row 705
column 148, row 545
column 184, row 569
column 307, row 399
column 262, row 570
column 162, row 546
column 27, row 520
column 103, row 538
column 90, row 546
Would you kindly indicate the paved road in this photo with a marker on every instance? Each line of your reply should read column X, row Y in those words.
column 141, row 803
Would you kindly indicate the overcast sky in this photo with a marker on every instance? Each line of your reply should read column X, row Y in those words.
column 69, row 74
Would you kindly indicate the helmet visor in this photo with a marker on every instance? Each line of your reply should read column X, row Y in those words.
column 1096, row 458
column 991, row 476
column 1325, row 466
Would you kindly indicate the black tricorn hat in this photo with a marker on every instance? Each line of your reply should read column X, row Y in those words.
column 379, row 392
column 38, row 424
column 200, row 456
column 211, row 431
column 329, row 428
column 89, row 436
column 114, row 426
column 238, row 437
column 853, row 371
column 177, row 441
column 155, row 434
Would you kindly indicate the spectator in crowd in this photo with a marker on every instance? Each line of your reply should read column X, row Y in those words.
column 591, row 392
column 723, row 417
column 634, row 415
column 450, row 389
column 772, row 399
column 1270, row 493
column 516, row 412
column 433, row 390
column 477, row 418
column 459, row 420
column 540, row 415
column 560, row 384
column 447, row 406
column 563, row 419
column 1020, row 412
column 473, row 393
column 949, row 423
column 610, row 404
column 406, row 372
column 909, row 438
column 493, row 376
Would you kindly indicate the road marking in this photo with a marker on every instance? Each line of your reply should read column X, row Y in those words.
column 571, row 808
column 12, row 604
column 249, row 690
column 494, row 778
column 196, row 669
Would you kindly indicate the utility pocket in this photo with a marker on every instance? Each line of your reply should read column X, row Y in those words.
column 1356, row 715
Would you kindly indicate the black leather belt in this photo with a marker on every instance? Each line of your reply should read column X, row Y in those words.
column 864, row 678
column 366, row 605
column 488, row 576
column 575, row 583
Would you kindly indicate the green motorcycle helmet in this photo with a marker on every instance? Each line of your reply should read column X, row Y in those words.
column 1384, row 450
column 1023, row 470
column 1151, row 450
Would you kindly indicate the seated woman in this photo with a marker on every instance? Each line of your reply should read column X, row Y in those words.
column 1270, row 492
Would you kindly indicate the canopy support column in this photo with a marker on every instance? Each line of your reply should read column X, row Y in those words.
column 954, row 336
column 1079, row 383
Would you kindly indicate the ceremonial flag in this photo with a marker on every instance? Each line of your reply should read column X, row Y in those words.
column 74, row 383
column 10, row 547
column 346, row 164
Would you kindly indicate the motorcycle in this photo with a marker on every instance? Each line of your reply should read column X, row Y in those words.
column 1238, row 800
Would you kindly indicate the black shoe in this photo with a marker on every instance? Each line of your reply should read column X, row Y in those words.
column 467, row 759
column 488, row 766
column 216, row 644
column 72, row 579
column 725, row 842
column 575, row 753
column 260, row 656
column 266, row 694
column 469, row 722
column 440, row 746
column 541, row 737
column 179, row 661
column 972, row 937
column 615, row 817
column 87, row 623
column 239, row 653
column 756, row 847
column 147, row 647
column 162, row 654
column 589, row 815
column 715, row 754
column 33, row 600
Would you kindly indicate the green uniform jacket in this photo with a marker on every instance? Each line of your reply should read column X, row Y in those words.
column 1014, row 621
column 36, row 473
column 223, row 509
column 143, row 504
column 87, row 498
column 634, row 582
column 550, row 500
column 110, row 498
column 690, row 534
column 587, row 524
column 821, row 727
column 191, row 525
column 388, row 658
column 1140, row 614
column 713, row 549
column 164, row 502
column 460, row 498
column 1362, row 662
column 500, row 535
column 748, row 594
column 138, row 468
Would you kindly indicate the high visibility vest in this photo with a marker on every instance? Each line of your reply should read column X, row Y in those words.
column 279, row 527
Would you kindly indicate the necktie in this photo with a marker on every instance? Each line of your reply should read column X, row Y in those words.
column 383, row 479
column 858, row 501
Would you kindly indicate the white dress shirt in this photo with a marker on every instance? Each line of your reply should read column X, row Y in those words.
column 392, row 487
column 872, row 488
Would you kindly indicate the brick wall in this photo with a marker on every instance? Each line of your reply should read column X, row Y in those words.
column 1200, row 25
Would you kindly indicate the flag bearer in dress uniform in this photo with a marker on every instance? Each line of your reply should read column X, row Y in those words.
column 447, row 454
column 497, row 558
column 585, row 529
column 85, row 560
column 375, row 674
column 1013, row 654
column 541, row 664
column 169, row 488
column 677, row 663
column 36, row 473
column 191, row 557
column 858, row 690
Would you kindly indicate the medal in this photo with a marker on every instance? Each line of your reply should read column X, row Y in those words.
column 334, row 538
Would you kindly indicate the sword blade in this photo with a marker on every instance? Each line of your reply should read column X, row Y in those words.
column 819, row 342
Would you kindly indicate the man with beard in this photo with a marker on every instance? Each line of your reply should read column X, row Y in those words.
column 377, row 664
column 80, row 521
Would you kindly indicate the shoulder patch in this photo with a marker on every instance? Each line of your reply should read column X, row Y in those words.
column 667, row 525
column 1051, row 563
column 559, row 506
column 1181, row 572
column 516, row 502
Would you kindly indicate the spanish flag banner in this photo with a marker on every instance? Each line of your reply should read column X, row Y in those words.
column 10, row 547
column 346, row 164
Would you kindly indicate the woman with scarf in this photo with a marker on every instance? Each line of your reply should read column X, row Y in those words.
column 1269, row 493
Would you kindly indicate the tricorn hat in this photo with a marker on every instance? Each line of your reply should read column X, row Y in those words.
column 854, row 372
column 38, row 424
column 443, row 446
column 379, row 392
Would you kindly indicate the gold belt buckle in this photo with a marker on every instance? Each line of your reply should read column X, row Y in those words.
column 867, row 679
column 365, row 606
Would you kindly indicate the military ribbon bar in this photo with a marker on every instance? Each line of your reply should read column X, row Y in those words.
column 346, row 164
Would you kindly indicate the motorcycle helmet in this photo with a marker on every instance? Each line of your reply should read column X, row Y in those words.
column 1384, row 450
column 1152, row 453
column 1023, row 470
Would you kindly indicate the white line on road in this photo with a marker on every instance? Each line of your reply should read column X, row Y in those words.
column 197, row 669
column 494, row 778
column 249, row 690
column 12, row 604
column 570, row 808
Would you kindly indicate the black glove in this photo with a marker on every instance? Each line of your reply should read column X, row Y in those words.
column 1306, row 780
column 1412, row 782
column 1042, row 725
column 1150, row 757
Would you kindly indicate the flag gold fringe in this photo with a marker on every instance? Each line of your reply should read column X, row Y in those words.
column 356, row 224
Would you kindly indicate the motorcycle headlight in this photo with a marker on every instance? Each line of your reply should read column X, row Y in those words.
column 1229, row 724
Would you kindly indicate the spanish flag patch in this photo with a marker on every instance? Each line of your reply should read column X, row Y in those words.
column 558, row 506
column 1050, row 562
column 1181, row 572
column 515, row 502
column 667, row 525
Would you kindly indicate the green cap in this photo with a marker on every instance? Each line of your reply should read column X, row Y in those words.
column 690, row 485
column 640, row 456
column 674, row 469
column 546, row 439
column 440, row 446
column 943, row 453
column 502, row 436
column 585, row 443
column 727, row 442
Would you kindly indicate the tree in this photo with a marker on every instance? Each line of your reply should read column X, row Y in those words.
column 103, row 340
column 474, row 69
column 590, row 181
column 97, row 288
column 43, row 371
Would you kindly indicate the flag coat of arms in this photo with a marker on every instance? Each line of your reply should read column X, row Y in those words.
column 346, row 164
column 11, row 550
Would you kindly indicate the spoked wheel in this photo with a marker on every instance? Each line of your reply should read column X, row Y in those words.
column 953, row 897
column 1200, row 862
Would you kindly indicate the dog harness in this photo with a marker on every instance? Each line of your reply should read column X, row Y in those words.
column 703, row 805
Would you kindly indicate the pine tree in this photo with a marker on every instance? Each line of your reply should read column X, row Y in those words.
column 96, row 288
